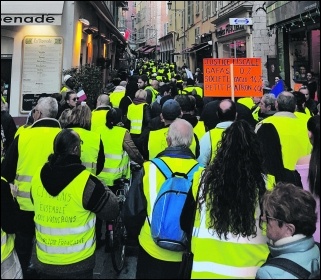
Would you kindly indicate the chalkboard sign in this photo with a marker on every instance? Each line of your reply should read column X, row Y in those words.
column 41, row 68
column 30, row 100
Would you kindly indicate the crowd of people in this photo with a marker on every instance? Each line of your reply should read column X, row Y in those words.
column 254, row 198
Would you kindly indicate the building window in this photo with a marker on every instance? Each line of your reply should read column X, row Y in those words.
column 190, row 13
column 234, row 49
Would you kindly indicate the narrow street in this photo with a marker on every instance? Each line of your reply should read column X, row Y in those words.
column 104, row 268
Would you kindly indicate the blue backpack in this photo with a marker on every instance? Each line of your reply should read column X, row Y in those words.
column 165, row 223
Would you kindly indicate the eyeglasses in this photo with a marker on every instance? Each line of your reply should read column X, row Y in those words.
column 303, row 87
column 268, row 218
column 75, row 99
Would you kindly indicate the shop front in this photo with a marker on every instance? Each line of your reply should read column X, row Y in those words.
column 41, row 39
column 297, row 28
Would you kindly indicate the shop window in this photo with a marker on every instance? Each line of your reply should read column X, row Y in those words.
column 234, row 49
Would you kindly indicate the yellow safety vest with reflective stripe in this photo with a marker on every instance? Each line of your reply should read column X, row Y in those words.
column 199, row 129
column 65, row 231
column 135, row 115
column 116, row 97
column 154, row 92
column 34, row 146
column 7, row 241
column 98, row 119
column 189, row 89
column 116, row 159
column 215, row 136
column 89, row 148
column 294, row 138
column 152, row 182
column 7, row 245
column 255, row 113
column 157, row 142
column 238, row 257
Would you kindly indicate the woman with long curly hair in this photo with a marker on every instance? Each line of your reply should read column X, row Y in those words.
column 227, row 241
column 309, row 167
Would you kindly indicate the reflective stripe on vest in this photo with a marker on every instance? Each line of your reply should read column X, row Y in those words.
column 7, row 245
column 65, row 231
column 135, row 115
column 253, row 250
column 89, row 148
column 116, row 159
column 34, row 146
column 152, row 181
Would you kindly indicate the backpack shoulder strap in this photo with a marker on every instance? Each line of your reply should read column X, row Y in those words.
column 289, row 266
column 163, row 167
column 190, row 173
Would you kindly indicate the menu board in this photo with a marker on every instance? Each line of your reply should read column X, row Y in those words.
column 41, row 67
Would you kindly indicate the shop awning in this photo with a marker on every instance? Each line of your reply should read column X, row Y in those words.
column 149, row 50
column 199, row 46
column 31, row 12
column 102, row 12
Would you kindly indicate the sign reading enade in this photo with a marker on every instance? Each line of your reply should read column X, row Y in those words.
column 41, row 67
column 226, row 77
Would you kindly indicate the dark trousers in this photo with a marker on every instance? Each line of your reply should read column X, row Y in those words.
column 24, row 239
column 151, row 268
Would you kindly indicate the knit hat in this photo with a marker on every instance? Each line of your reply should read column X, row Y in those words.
column 66, row 78
column 171, row 110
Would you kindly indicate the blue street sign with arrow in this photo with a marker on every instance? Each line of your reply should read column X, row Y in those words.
column 241, row 21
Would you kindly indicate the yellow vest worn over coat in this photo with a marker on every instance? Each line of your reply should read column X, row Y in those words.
column 135, row 115
column 7, row 242
column 116, row 97
column 7, row 245
column 255, row 113
column 34, row 146
column 215, row 136
column 199, row 129
column 152, row 182
column 157, row 142
column 154, row 92
column 65, row 231
column 98, row 119
column 294, row 138
column 236, row 257
column 189, row 89
column 116, row 159
column 89, row 148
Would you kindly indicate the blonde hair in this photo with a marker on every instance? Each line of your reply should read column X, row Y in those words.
column 141, row 94
column 64, row 118
column 80, row 117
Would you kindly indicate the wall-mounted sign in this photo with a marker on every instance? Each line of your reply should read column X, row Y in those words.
column 241, row 21
column 31, row 12
column 228, row 29
column 31, row 20
column 229, row 77
column 41, row 67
